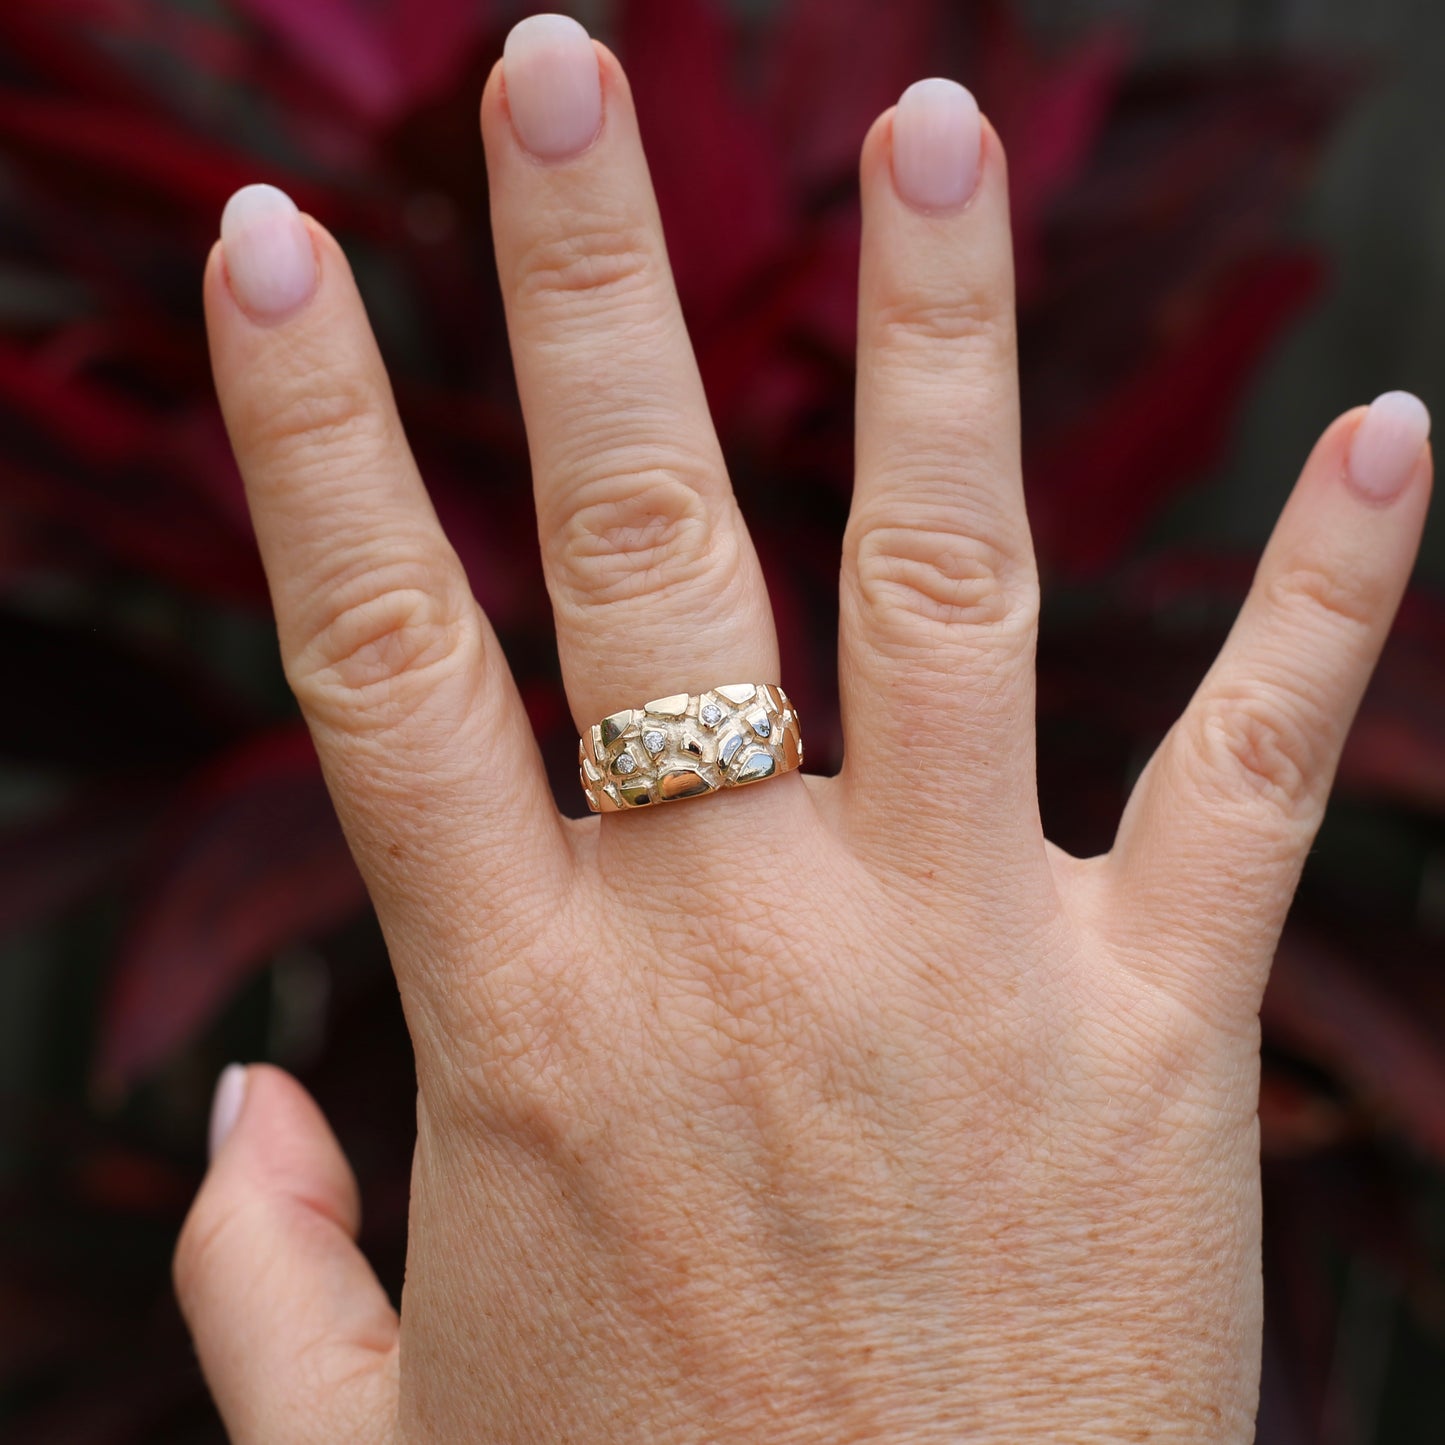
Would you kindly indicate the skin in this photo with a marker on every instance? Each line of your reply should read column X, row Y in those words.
column 798, row 1113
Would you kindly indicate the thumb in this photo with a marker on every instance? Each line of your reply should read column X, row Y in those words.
column 296, row 1336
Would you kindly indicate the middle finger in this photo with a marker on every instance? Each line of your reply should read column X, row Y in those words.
column 655, row 585
column 939, row 592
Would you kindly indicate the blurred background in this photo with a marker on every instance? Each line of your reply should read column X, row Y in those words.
column 1230, row 226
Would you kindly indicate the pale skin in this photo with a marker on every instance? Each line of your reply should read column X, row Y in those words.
column 828, row 1109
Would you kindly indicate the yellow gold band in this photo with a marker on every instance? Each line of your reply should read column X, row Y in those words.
column 689, row 744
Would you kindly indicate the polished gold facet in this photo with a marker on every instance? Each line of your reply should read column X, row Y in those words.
column 754, row 767
column 682, row 783
column 613, row 727
column 636, row 792
column 792, row 746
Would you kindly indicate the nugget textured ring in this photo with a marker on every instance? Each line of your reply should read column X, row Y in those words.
column 689, row 744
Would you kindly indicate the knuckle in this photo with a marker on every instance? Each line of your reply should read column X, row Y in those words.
column 1260, row 747
column 635, row 535
column 377, row 631
column 516, row 1063
column 327, row 412
column 201, row 1237
column 1347, row 598
column 602, row 262
column 913, row 579
column 972, row 318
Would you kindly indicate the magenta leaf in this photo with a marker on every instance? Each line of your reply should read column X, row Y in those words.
column 252, row 859
column 1396, row 748
column 726, row 230
column 1376, row 1038
column 382, row 59
column 822, row 89
column 47, row 863
column 1095, row 484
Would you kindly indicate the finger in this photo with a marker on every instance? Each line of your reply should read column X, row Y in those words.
column 415, row 715
column 654, row 582
column 297, row 1338
column 1217, row 829
column 939, row 595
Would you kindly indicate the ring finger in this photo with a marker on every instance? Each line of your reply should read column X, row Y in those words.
column 655, row 585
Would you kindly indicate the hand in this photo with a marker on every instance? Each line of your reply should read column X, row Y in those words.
column 828, row 1109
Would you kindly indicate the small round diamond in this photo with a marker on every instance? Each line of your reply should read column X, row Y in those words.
column 711, row 714
column 625, row 763
column 653, row 741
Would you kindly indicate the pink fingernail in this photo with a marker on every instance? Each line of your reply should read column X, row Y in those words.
column 269, row 258
column 554, row 89
column 937, row 136
column 1388, row 444
column 226, row 1104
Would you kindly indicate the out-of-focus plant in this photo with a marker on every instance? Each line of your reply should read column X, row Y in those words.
column 173, row 846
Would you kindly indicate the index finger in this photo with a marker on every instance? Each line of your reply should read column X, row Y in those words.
column 423, row 739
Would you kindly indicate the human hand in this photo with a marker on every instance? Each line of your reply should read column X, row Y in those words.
column 826, row 1109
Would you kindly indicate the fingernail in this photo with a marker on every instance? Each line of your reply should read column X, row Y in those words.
column 554, row 89
column 1388, row 444
column 269, row 258
column 226, row 1104
column 937, row 136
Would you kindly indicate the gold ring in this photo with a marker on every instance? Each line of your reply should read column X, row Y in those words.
column 689, row 744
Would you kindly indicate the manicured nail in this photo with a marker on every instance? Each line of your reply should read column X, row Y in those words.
column 1388, row 444
column 226, row 1105
column 269, row 258
column 554, row 89
column 937, row 137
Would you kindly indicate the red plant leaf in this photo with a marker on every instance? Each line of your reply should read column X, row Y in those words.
column 1050, row 117
column 380, row 59
column 1396, row 748
column 116, row 156
column 95, row 427
column 822, row 89
column 36, row 1326
column 1392, row 756
column 47, row 863
column 1167, row 422
column 1324, row 1005
column 1295, row 1119
column 86, row 700
column 253, row 859
column 1054, row 115
column 1172, row 226
column 118, row 1179
column 718, row 179
column 135, row 462
column 93, row 527
column 755, row 387
column 54, row 43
